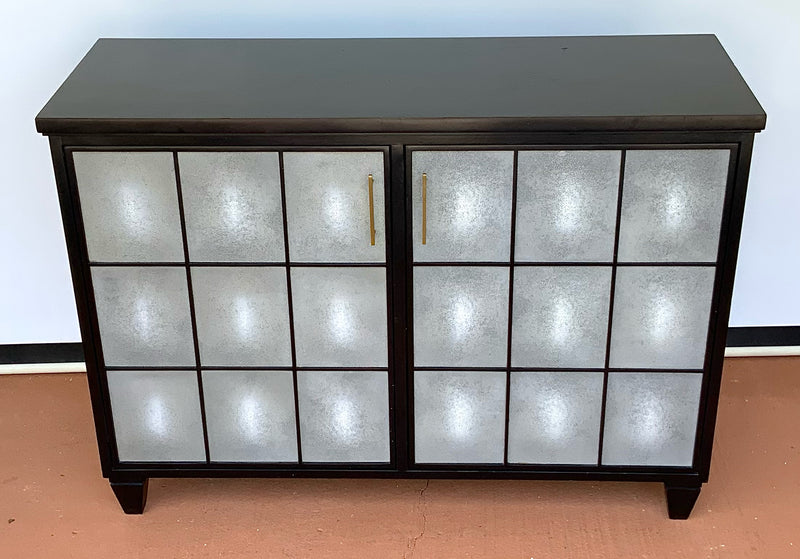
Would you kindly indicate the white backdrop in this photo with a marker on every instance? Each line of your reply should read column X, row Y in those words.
column 42, row 40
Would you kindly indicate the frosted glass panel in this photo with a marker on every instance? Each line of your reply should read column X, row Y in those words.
column 468, row 205
column 232, row 205
column 157, row 416
column 459, row 417
column 560, row 316
column 460, row 316
column 651, row 418
column 129, row 203
column 250, row 416
column 344, row 415
column 340, row 317
column 144, row 316
column 661, row 317
column 554, row 417
column 242, row 316
column 672, row 205
column 327, row 206
column 566, row 205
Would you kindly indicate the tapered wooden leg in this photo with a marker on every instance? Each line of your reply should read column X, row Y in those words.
column 681, row 500
column 132, row 495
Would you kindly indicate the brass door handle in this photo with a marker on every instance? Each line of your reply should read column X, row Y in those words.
column 371, row 214
column 424, row 208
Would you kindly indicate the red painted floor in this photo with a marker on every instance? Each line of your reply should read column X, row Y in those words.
column 53, row 502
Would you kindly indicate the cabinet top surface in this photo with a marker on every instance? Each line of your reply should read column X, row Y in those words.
column 658, row 82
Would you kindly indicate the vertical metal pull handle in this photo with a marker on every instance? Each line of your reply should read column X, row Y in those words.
column 424, row 208
column 371, row 214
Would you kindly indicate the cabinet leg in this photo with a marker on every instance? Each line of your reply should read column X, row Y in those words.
column 681, row 500
column 132, row 495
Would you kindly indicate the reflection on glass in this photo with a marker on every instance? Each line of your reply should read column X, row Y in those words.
column 662, row 318
column 649, row 419
column 345, row 421
column 562, row 319
column 341, row 322
column 157, row 417
column 466, row 215
column 336, row 208
column 135, row 216
column 234, row 209
column 460, row 414
column 570, row 208
column 143, row 311
column 675, row 207
column 554, row 415
column 461, row 316
column 245, row 317
column 250, row 411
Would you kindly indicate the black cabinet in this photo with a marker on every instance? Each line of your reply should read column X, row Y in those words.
column 449, row 258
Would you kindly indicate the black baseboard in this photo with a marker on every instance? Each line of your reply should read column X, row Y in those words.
column 13, row 354
column 738, row 336
column 760, row 336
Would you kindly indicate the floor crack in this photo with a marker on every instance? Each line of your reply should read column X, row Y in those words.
column 412, row 544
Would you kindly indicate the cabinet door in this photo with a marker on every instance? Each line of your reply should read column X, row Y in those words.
column 559, row 349
column 254, row 330
column 330, row 205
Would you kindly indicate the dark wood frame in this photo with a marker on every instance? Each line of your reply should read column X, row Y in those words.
column 129, row 480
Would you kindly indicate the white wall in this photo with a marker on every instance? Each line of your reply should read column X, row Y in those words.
column 42, row 40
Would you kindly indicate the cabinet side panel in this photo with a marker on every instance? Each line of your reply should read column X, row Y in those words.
column 726, row 264
column 76, row 249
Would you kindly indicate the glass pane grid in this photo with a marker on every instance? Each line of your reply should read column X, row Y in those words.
column 188, row 264
column 606, row 368
column 510, row 264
